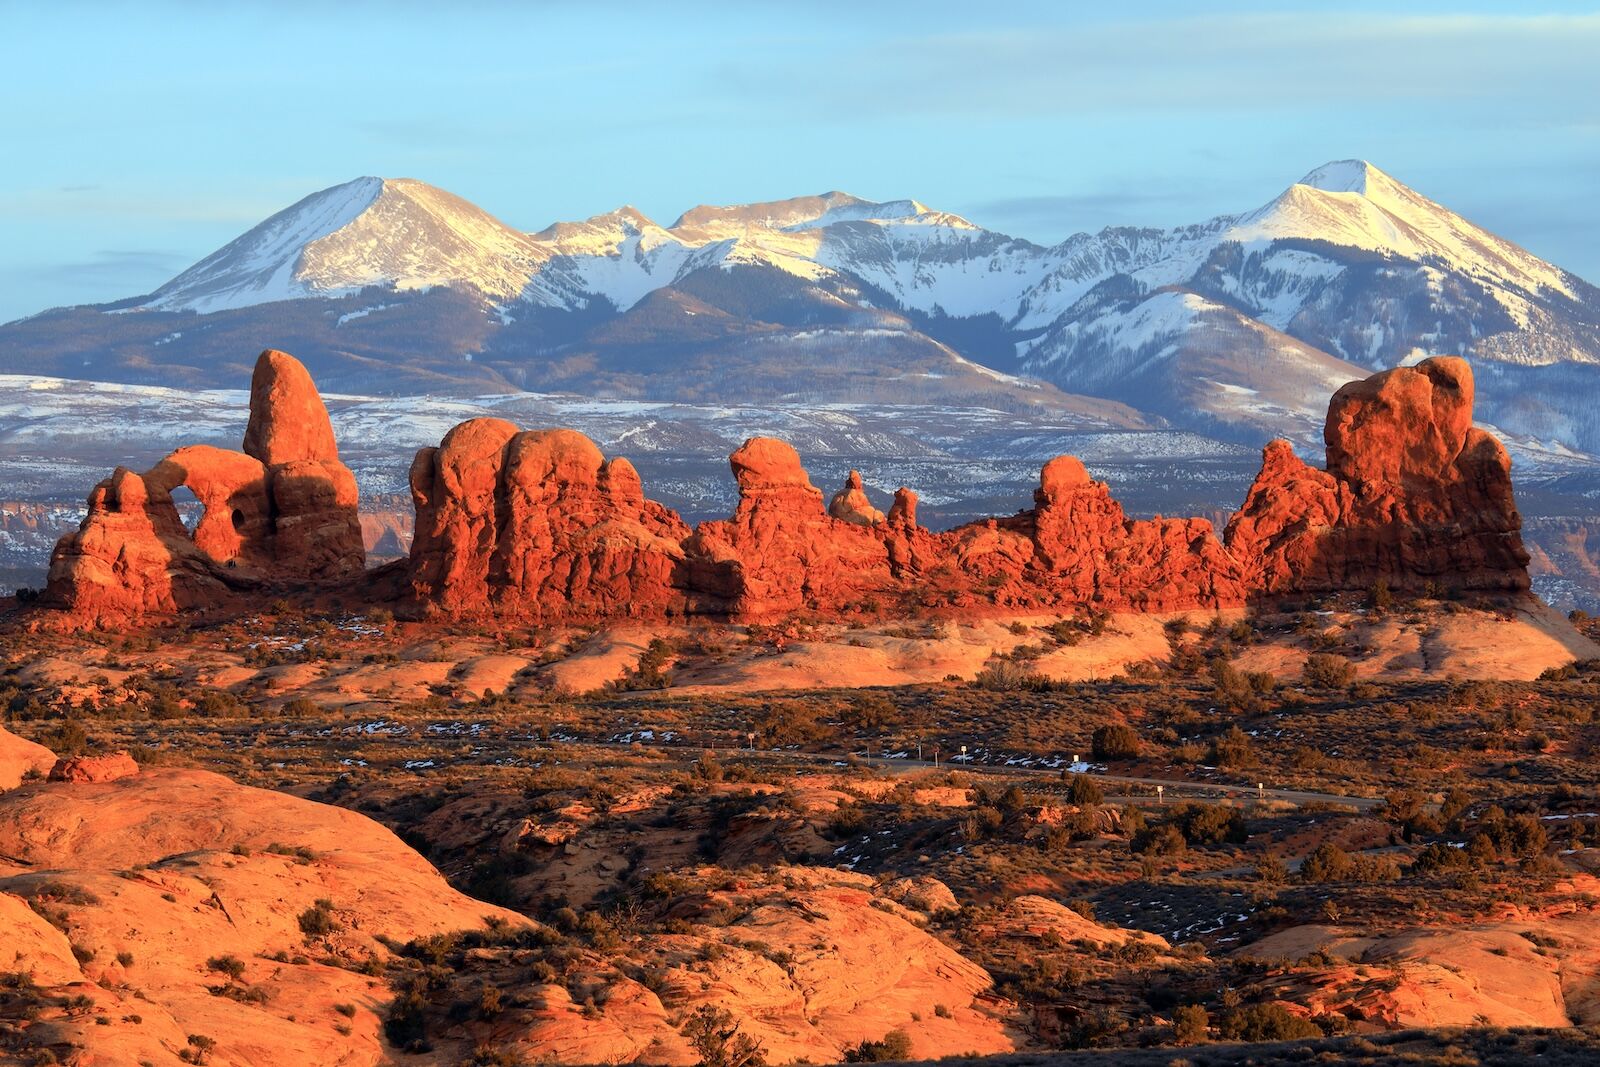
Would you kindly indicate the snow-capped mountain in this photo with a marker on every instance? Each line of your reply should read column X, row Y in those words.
column 399, row 233
column 1243, row 323
column 1350, row 205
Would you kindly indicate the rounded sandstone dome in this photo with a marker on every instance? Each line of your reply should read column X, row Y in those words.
column 1063, row 474
column 766, row 461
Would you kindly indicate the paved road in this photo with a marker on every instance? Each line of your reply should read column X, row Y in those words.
column 1174, row 786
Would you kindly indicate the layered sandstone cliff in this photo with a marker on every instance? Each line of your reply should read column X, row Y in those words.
column 282, row 512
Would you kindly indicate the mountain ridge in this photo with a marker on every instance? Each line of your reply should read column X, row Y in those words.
column 395, row 286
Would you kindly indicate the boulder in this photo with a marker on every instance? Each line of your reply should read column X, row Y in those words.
column 106, row 768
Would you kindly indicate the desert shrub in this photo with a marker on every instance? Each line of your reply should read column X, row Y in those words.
column 1083, row 791
column 1115, row 741
column 847, row 821
column 1455, row 805
column 199, row 1050
column 653, row 669
column 494, row 878
column 1380, row 598
column 713, row 1033
column 1324, row 670
column 1271, row 870
column 788, row 722
column 52, row 890
column 1162, row 840
column 1266, row 1022
column 893, row 1047
column 406, row 1025
column 1232, row 688
column 982, row 822
column 299, row 853
column 232, row 966
column 300, row 708
column 1066, row 631
column 1508, row 837
column 1190, row 1024
column 69, row 738
column 1211, row 824
column 1439, row 857
column 1233, row 749
column 1374, row 869
column 708, row 768
column 1011, row 800
column 871, row 713
column 217, row 703
column 1327, row 863
column 318, row 920
column 1007, row 676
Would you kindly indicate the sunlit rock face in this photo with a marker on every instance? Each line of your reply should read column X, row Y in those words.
column 282, row 511
column 1414, row 495
column 540, row 524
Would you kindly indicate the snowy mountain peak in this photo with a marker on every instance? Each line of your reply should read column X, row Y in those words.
column 398, row 232
column 891, row 212
column 1344, row 176
column 714, row 223
column 1360, row 178
column 1353, row 203
column 611, row 227
column 405, row 234
column 257, row 266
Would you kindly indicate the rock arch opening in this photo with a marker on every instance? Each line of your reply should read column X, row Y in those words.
column 190, row 509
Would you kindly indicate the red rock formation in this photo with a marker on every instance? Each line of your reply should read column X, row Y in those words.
column 903, row 512
column 21, row 759
column 107, row 768
column 781, row 551
column 288, row 421
column 1076, row 548
column 851, row 503
column 538, row 524
column 281, row 512
column 1414, row 495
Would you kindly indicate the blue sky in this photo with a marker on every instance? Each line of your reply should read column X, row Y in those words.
column 139, row 137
